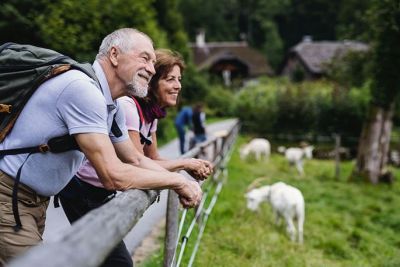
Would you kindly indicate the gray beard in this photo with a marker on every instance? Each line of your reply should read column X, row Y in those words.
column 135, row 89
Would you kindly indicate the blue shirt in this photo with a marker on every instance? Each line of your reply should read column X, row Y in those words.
column 184, row 117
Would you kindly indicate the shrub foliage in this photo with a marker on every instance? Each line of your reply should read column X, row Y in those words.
column 320, row 108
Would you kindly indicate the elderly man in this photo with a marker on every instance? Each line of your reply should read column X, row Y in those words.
column 72, row 103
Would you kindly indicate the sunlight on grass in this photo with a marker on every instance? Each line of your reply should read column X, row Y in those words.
column 347, row 224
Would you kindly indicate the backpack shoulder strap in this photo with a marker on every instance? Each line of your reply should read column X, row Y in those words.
column 143, row 139
column 140, row 112
column 151, row 126
column 87, row 69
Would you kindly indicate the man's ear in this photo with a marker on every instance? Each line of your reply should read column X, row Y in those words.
column 113, row 56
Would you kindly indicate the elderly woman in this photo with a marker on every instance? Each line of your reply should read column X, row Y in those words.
column 142, row 114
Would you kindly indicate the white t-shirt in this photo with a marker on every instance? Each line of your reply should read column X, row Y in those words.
column 132, row 117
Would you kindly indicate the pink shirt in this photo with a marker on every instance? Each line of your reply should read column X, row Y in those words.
column 86, row 172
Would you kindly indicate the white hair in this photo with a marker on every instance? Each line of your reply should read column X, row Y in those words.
column 123, row 38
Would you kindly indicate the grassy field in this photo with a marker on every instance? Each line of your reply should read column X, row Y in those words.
column 347, row 224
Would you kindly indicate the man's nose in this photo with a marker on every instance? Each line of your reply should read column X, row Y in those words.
column 150, row 68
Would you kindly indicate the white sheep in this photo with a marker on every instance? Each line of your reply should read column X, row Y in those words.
column 287, row 202
column 258, row 147
column 295, row 156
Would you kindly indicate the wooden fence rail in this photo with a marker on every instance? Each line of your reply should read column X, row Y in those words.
column 88, row 242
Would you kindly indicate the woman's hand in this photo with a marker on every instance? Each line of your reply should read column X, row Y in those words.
column 199, row 169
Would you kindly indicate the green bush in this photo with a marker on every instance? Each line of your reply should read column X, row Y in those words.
column 351, row 69
column 194, row 86
column 165, row 128
column 219, row 101
column 296, row 112
column 256, row 106
column 320, row 108
column 344, row 113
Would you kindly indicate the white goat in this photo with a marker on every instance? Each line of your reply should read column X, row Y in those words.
column 295, row 156
column 286, row 202
column 257, row 146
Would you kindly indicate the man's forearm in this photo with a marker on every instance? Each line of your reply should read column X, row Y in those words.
column 143, row 177
column 128, row 153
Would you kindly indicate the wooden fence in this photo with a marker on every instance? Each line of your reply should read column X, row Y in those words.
column 215, row 150
column 88, row 242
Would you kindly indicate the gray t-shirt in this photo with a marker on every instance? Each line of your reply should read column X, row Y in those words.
column 70, row 103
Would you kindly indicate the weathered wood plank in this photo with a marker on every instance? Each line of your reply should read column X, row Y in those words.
column 89, row 240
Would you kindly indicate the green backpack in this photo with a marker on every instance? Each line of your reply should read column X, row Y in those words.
column 23, row 68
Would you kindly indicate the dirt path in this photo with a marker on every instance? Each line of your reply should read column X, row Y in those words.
column 150, row 243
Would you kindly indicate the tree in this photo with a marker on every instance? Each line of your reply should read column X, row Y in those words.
column 375, row 137
column 260, row 26
column 352, row 69
column 16, row 18
column 76, row 28
column 317, row 18
column 236, row 20
column 352, row 21
column 218, row 18
column 171, row 20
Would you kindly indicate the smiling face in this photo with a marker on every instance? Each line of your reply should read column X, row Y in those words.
column 166, row 83
column 138, row 86
column 168, row 87
column 136, row 66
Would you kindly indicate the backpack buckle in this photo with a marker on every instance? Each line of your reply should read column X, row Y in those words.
column 5, row 108
column 60, row 69
column 44, row 148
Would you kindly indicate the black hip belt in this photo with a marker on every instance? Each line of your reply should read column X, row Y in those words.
column 95, row 193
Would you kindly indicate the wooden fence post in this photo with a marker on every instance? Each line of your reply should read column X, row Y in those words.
column 171, row 229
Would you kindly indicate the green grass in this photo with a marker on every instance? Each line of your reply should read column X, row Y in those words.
column 347, row 224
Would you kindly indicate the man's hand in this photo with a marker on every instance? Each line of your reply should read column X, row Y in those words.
column 199, row 169
column 189, row 193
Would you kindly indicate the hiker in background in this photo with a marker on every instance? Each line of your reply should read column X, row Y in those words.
column 183, row 120
column 199, row 125
column 72, row 103
column 85, row 191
